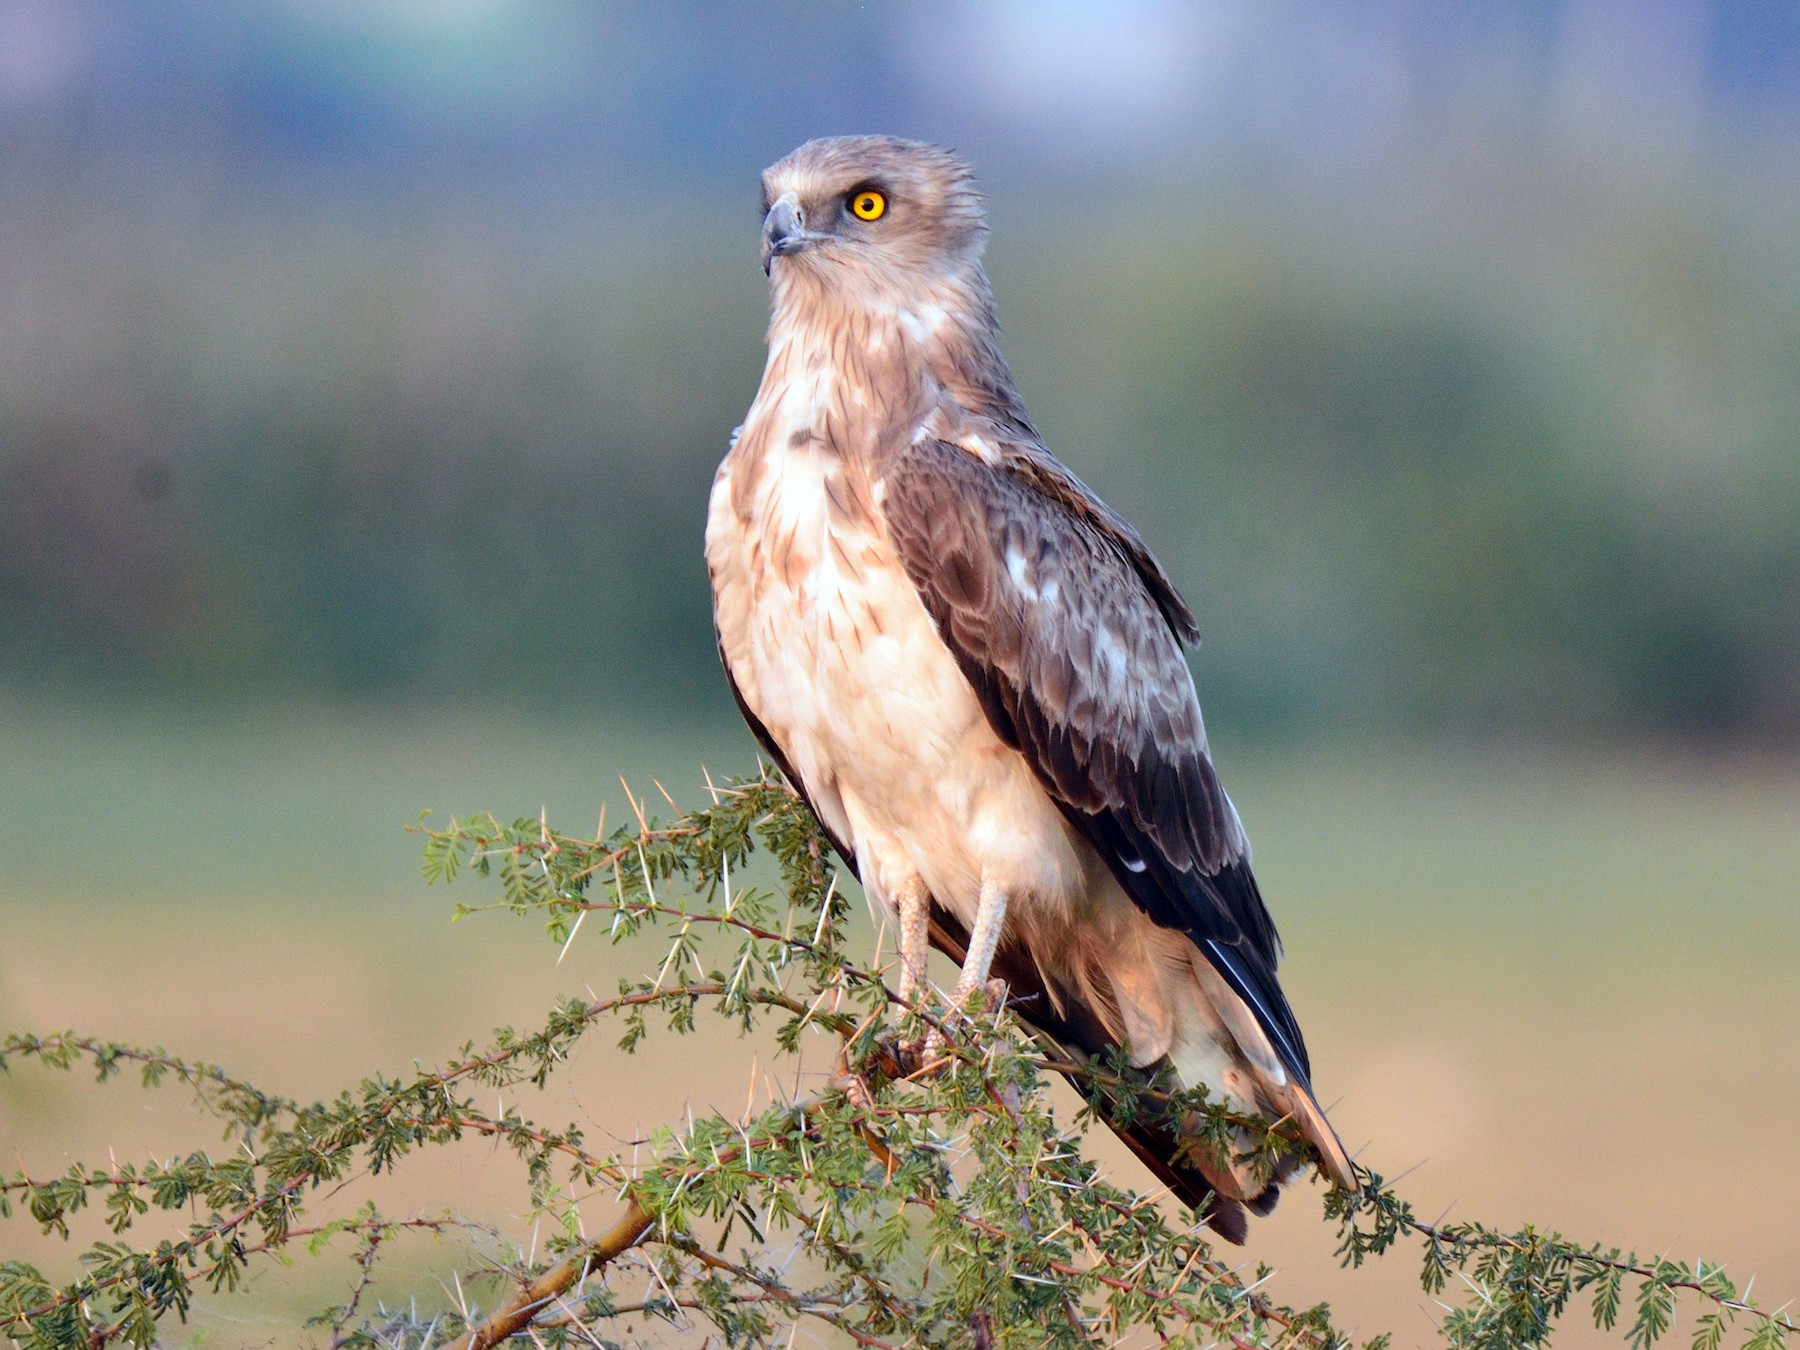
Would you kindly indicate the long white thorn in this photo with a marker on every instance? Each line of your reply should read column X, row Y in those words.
column 579, row 918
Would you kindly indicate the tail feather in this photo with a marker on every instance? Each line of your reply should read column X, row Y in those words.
column 1332, row 1156
column 1219, row 1197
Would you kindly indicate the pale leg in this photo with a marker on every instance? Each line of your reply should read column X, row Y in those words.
column 915, row 938
column 984, row 938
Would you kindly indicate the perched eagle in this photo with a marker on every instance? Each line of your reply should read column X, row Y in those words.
column 973, row 669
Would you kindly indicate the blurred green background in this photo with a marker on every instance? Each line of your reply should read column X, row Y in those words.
column 385, row 351
column 363, row 368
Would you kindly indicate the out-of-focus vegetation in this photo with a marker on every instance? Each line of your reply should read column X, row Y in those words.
column 1515, row 973
column 1441, row 1037
column 391, row 356
column 433, row 460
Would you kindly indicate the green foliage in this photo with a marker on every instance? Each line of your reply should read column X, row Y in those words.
column 941, row 1206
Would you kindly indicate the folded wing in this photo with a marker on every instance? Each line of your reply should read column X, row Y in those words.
column 1072, row 636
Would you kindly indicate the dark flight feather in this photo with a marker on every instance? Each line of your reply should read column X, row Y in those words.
column 1071, row 635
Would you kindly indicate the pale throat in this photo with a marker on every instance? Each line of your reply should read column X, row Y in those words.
column 927, row 313
column 832, row 339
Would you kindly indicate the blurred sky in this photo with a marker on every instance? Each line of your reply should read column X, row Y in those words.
column 526, row 90
column 519, row 89
column 1447, row 351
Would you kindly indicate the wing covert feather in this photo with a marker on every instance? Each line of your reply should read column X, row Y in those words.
column 1071, row 635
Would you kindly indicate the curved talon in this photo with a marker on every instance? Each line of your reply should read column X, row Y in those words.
column 932, row 1048
column 988, row 996
column 857, row 1090
column 901, row 1058
column 909, row 1058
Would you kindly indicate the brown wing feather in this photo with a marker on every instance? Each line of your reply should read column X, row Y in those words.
column 1072, row 637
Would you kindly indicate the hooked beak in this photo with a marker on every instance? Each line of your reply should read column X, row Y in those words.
column 784, row 231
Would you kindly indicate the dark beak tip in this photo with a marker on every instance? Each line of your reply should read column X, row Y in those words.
column 784, row 230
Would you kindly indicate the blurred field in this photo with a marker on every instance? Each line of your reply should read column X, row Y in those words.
column 1561, row 987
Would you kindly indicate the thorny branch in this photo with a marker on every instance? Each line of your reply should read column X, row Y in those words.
column 945, row 1206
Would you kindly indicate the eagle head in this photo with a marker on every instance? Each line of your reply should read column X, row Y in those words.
column 845, row 209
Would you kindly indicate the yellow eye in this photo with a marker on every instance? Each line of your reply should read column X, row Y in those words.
column 868, row 205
